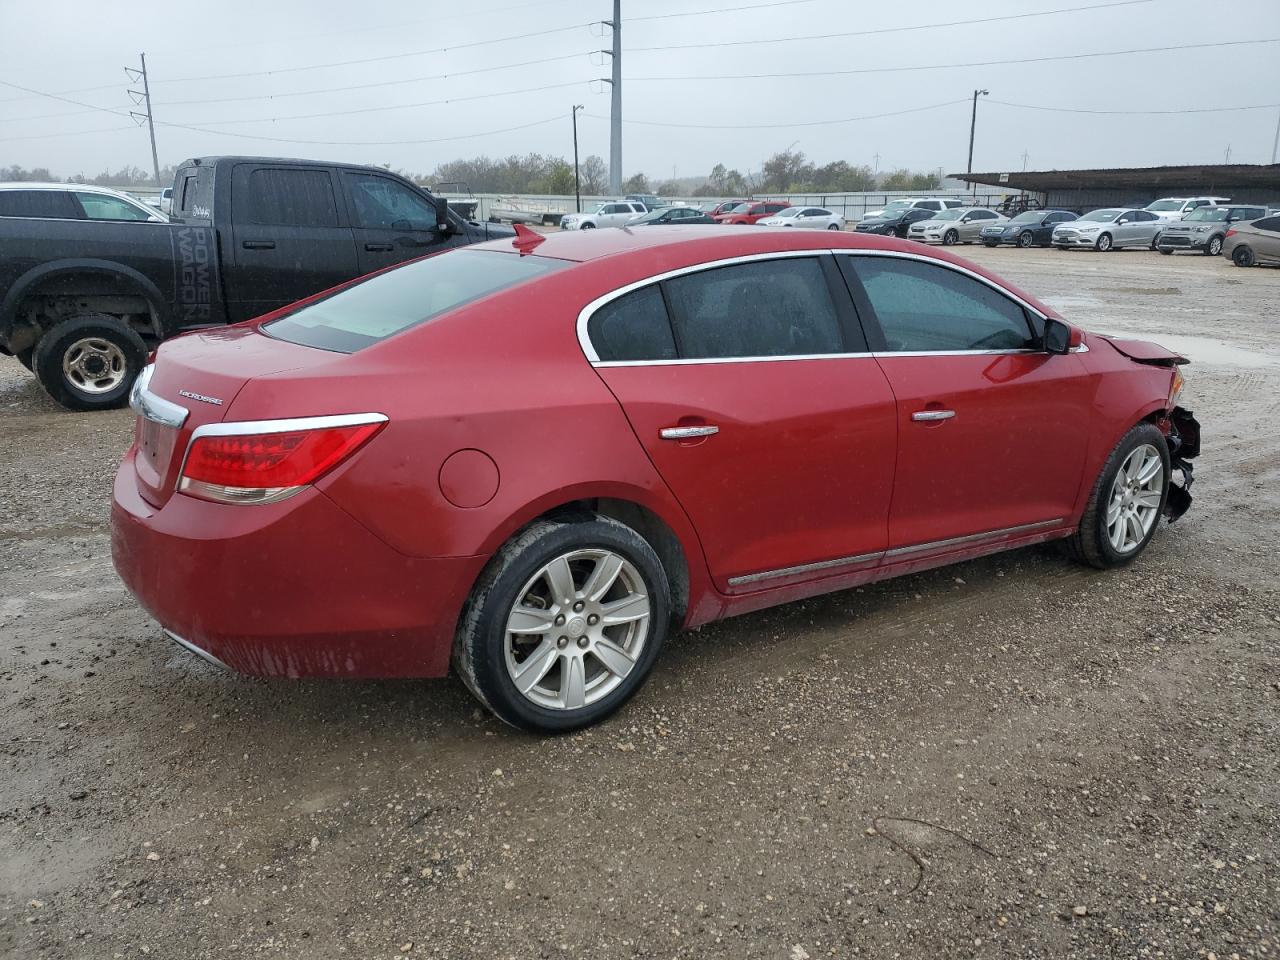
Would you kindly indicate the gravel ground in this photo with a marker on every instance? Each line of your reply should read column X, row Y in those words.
column 1015, row 757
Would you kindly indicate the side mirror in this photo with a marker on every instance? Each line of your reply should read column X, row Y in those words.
column 444, row 226
column 1060, row 337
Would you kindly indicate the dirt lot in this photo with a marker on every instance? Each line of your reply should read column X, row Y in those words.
column 1016, row 757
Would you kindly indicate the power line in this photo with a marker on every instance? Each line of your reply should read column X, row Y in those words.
column 784, row 124
column 883, row 30
column 953, row 66
column 699, row 13
column 367, row 143
column 390, row 56
column 1137, row 113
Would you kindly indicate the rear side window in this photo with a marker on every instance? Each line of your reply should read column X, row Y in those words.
column 1271, row 223
column 392, row 302
column 769, row 308
column 55, row 204
column 633, row 327
column 291, row 198
column 922, row 307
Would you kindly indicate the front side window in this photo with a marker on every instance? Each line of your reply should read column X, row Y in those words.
column 384, row 204
column 924, row 307
column 768, row 308
column 291, row 198
column 102, row 206
column 633, row 327
column 391, row 302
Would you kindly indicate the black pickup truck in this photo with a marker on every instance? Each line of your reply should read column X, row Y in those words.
column 82, row 301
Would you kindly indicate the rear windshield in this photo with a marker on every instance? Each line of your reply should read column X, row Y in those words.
column 392, row 302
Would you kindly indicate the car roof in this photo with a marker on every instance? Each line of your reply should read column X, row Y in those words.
column 80, row 187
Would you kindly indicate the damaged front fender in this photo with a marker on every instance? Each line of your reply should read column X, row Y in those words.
column 1184, row 446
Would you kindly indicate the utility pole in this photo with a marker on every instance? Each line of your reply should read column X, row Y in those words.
column 1227, row 158
column 577, row 181
column 973, row 123
column 876, row 157
column 1275, row 142
column 615, row 107
column 145, row 94
column 1025, row 157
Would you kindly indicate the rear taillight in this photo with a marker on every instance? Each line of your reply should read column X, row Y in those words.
column 1230, row 233
column 268, row 460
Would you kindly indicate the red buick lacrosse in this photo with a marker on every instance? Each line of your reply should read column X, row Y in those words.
column 535, row 458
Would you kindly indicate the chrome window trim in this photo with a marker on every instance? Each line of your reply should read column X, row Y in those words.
column 153, row 407
column 589, row 351
column 972, row 538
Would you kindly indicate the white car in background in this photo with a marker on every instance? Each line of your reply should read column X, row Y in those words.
column 808, row 218
column 1175, row 208
column 910, row 203
column 73, row 201
column 613, row 213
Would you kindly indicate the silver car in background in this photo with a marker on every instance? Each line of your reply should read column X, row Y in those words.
column 1206, row 227
column 1110, row 229
column 961, row 225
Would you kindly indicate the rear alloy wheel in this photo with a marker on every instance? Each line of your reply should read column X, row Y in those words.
column 1214, row 247
column 1104, row 243
column 89, row 362
column 1243, row 256
column 1127, row 500
column 1025, row 239
column 565, row 624
column 950, row 237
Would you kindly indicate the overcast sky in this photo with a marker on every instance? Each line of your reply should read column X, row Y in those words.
column 59, row 46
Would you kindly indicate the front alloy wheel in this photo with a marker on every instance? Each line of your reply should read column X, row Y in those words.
column 1025, row 239
column 1214, row 247
column 1137, row 493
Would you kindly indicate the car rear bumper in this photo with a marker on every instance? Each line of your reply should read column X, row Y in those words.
column 297, row 588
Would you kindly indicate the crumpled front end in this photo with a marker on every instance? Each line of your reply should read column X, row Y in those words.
column 1184, row 446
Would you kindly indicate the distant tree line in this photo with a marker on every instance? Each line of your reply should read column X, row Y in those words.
column 784, row 172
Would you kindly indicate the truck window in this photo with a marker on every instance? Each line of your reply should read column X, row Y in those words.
column 187, row 193
column 291, row 198
column 385, row 204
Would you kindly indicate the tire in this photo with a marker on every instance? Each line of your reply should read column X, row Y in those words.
column 1155, row 242
column 833, row 226
column 985, row 244
column 1094, row 542
column 1243, row 256
column 1104, row 243
column 1167, row 251
column 24, row 356
column 950, row 238
column 1214, row 247
column 587, row 226
column 569, row 667
column 69, row 357
column 1025, row 239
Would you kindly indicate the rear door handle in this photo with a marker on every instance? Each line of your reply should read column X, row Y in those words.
column 688, row 433
column 927, row 416
column 259, row 244
column 376, row 247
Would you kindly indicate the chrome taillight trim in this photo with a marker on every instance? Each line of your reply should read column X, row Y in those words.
column 153, row 407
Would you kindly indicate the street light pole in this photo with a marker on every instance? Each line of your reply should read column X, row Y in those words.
column 973, row 123
column 577, row 182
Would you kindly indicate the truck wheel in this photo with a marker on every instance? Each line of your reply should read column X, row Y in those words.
column 89, row 362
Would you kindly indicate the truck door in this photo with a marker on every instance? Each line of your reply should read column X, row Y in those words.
column 289, row 238
column 392, row 222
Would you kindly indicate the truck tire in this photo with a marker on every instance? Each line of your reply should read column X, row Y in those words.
column 89, row 362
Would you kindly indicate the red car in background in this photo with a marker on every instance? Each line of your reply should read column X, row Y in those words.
column 534, row 458
column 754, row 212
column 724, row 207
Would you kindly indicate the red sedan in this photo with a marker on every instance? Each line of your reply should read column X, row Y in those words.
column 533, row 458
column 753, row 213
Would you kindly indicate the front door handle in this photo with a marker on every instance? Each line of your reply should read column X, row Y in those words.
column 379, row 247
column 259, row 244
column 688, row 433
column 928, row 416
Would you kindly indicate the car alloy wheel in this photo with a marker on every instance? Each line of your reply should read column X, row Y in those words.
column 577, row 629
column 1242, row 256
column 1137, row 494
column 950, row 237
column 833, row 226
column 1214, row 247
column 1025, row 239
column 1104, row 243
